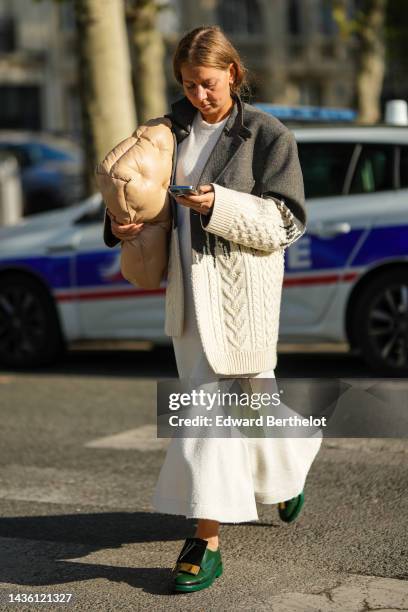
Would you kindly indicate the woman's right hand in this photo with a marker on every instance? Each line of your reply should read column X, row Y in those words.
column 124, row 231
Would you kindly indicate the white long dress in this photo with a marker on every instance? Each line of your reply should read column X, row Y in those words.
column 221, row 478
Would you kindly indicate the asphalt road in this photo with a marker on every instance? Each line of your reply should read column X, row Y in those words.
column 79, row 461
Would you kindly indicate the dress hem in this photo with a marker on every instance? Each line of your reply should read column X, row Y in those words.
column 190, row 510
column 166, row 505
column 268, row 499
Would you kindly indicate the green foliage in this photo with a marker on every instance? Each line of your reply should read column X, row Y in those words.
column 355, row 24
column 396, row 27
column 350, row 22
column 347, row 25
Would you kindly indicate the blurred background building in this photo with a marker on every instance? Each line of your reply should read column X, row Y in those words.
column 291, row 47
column 38, row 72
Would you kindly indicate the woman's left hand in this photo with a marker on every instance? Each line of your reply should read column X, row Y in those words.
column 200, row 203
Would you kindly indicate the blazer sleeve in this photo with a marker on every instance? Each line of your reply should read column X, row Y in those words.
column 282, row 175
column 273, row 221
column 109, row 239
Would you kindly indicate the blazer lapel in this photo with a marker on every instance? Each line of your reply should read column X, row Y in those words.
column 181, row 117
column 230, row 140
column 228, row 144
column 232, row 137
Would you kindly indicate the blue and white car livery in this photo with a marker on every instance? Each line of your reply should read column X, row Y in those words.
column 346, row 278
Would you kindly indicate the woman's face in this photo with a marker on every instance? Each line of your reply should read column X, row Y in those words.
column 208, row 89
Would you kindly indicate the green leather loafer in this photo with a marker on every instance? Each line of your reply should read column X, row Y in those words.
column 289, row 510
column 196, row 567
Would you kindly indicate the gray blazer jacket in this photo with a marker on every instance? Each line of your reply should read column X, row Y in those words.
column 255, row 154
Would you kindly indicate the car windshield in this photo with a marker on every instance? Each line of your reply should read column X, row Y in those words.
column 48, row 153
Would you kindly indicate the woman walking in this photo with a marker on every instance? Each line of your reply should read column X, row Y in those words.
column 223, row 295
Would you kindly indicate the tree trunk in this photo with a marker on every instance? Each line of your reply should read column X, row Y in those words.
column 149, row 56
column 371, row 61
column 108, row 107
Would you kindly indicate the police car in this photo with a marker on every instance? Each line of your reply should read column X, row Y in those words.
column 346, row 278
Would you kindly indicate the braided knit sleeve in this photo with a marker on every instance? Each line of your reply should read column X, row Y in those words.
column 266, row 223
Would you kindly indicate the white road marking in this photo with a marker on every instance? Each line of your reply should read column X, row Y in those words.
column 76, row 487
column 142, row 438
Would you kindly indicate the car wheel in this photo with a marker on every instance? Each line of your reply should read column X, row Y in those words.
column 30, row 334
column 382, row 322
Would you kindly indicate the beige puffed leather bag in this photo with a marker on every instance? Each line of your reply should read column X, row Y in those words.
column 133, row 179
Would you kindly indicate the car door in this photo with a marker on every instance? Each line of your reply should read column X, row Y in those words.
column 109, row 306
column 345, row 183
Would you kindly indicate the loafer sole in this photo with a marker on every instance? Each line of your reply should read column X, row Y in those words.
column 189, row 588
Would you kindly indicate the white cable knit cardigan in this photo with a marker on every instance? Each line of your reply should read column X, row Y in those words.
column 237, row 295
column 238, row 250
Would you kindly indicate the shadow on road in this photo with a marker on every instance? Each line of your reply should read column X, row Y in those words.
column 160, row 362
column 53, row 540
column 122, row 363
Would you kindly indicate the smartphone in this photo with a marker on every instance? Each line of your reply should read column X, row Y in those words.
column 181, row 190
